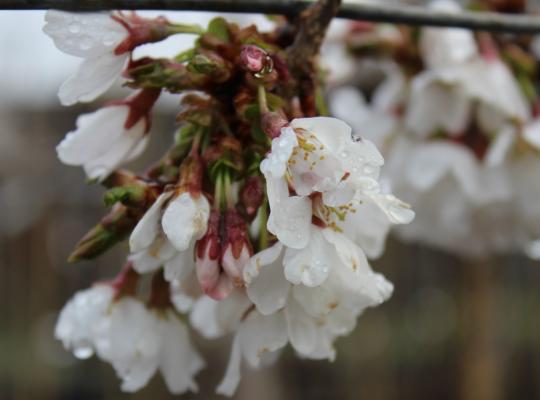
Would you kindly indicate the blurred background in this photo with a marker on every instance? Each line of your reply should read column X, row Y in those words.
column 451, row 329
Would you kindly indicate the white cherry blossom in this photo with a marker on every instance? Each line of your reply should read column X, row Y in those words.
column 166, row 234
column 138, row 342
column 101, row 143
column 94, row 38
column 78, row 319
column 319, row 155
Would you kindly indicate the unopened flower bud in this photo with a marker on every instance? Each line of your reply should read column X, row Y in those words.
column 256, row 60
column 237, row 249
column 208, row 250
column 212, row 65
column 113, row 228
column 271, row 124
column 252, row 195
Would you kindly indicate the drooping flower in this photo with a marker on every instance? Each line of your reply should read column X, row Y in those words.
column 78, row 319
column 166, row 234
column 104, row 41
column 321, row 157
column 109, row 137
column 94, row 37
column 257, row 338
column 138, row 342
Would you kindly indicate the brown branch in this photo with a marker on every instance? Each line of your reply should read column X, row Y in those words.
column 313, row 23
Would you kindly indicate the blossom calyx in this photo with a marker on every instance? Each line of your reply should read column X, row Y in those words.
column 114, row 227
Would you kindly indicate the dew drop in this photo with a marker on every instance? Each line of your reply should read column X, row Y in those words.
column 83, row 352
column 86, row 44
column 74, row 28
column 369, row 169
column 108, row 40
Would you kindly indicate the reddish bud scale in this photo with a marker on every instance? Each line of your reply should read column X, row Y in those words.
column 536, row 109
column 488, row 47
column 474, row 140
column 191, row 174
column 140, row 31
column 280, row 66
column 140, row 106
column 361, row 26
column 252, row 195
column 160, row 296
column 318, row 222
column 271, row 124
column 236, row 233
column 211, row 239
column 125, row 283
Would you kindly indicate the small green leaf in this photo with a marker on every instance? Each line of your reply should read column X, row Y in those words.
column 219, row 28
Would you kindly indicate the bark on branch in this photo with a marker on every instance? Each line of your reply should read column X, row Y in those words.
column 408, row 15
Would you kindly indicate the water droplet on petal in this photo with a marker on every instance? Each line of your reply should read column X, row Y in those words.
column 108, row 40
column 86, row 44
column 74, row 28
column 83, row 352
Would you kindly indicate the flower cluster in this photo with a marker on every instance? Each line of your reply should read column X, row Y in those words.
column 258, row 222
column 455, row 113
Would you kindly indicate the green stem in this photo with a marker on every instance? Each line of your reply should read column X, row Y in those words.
column 228, row 190
column 263, row 232
column 218, row 192
column 263, row 104
column 184, row 28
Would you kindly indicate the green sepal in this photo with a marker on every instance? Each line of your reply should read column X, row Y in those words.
column 219, row 28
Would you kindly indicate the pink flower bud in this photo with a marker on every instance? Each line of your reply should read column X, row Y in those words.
column 207, row 255
column 237, row 249
column 252, row 195
column 271, row 124
column 256, row 60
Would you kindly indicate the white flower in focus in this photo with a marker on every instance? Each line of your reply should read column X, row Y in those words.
column 166, row 234
column 94, row 37
column 79, row 318
column 102, row 142
column 319, row 156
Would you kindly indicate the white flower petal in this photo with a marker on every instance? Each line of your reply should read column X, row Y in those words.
column 77, row 320
column 301, row 328
column 179, row 361
column 290, row 217
column 262, row 334
column 185, row 219
column 93, row 78
column 331, row 132
column 230, row 381
column 275, row 163
column 531, row 133
column 147, row 229
column 311, row 265
column 268, row 289
column 181, row 265
column 397, row 211
column 84, row 34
